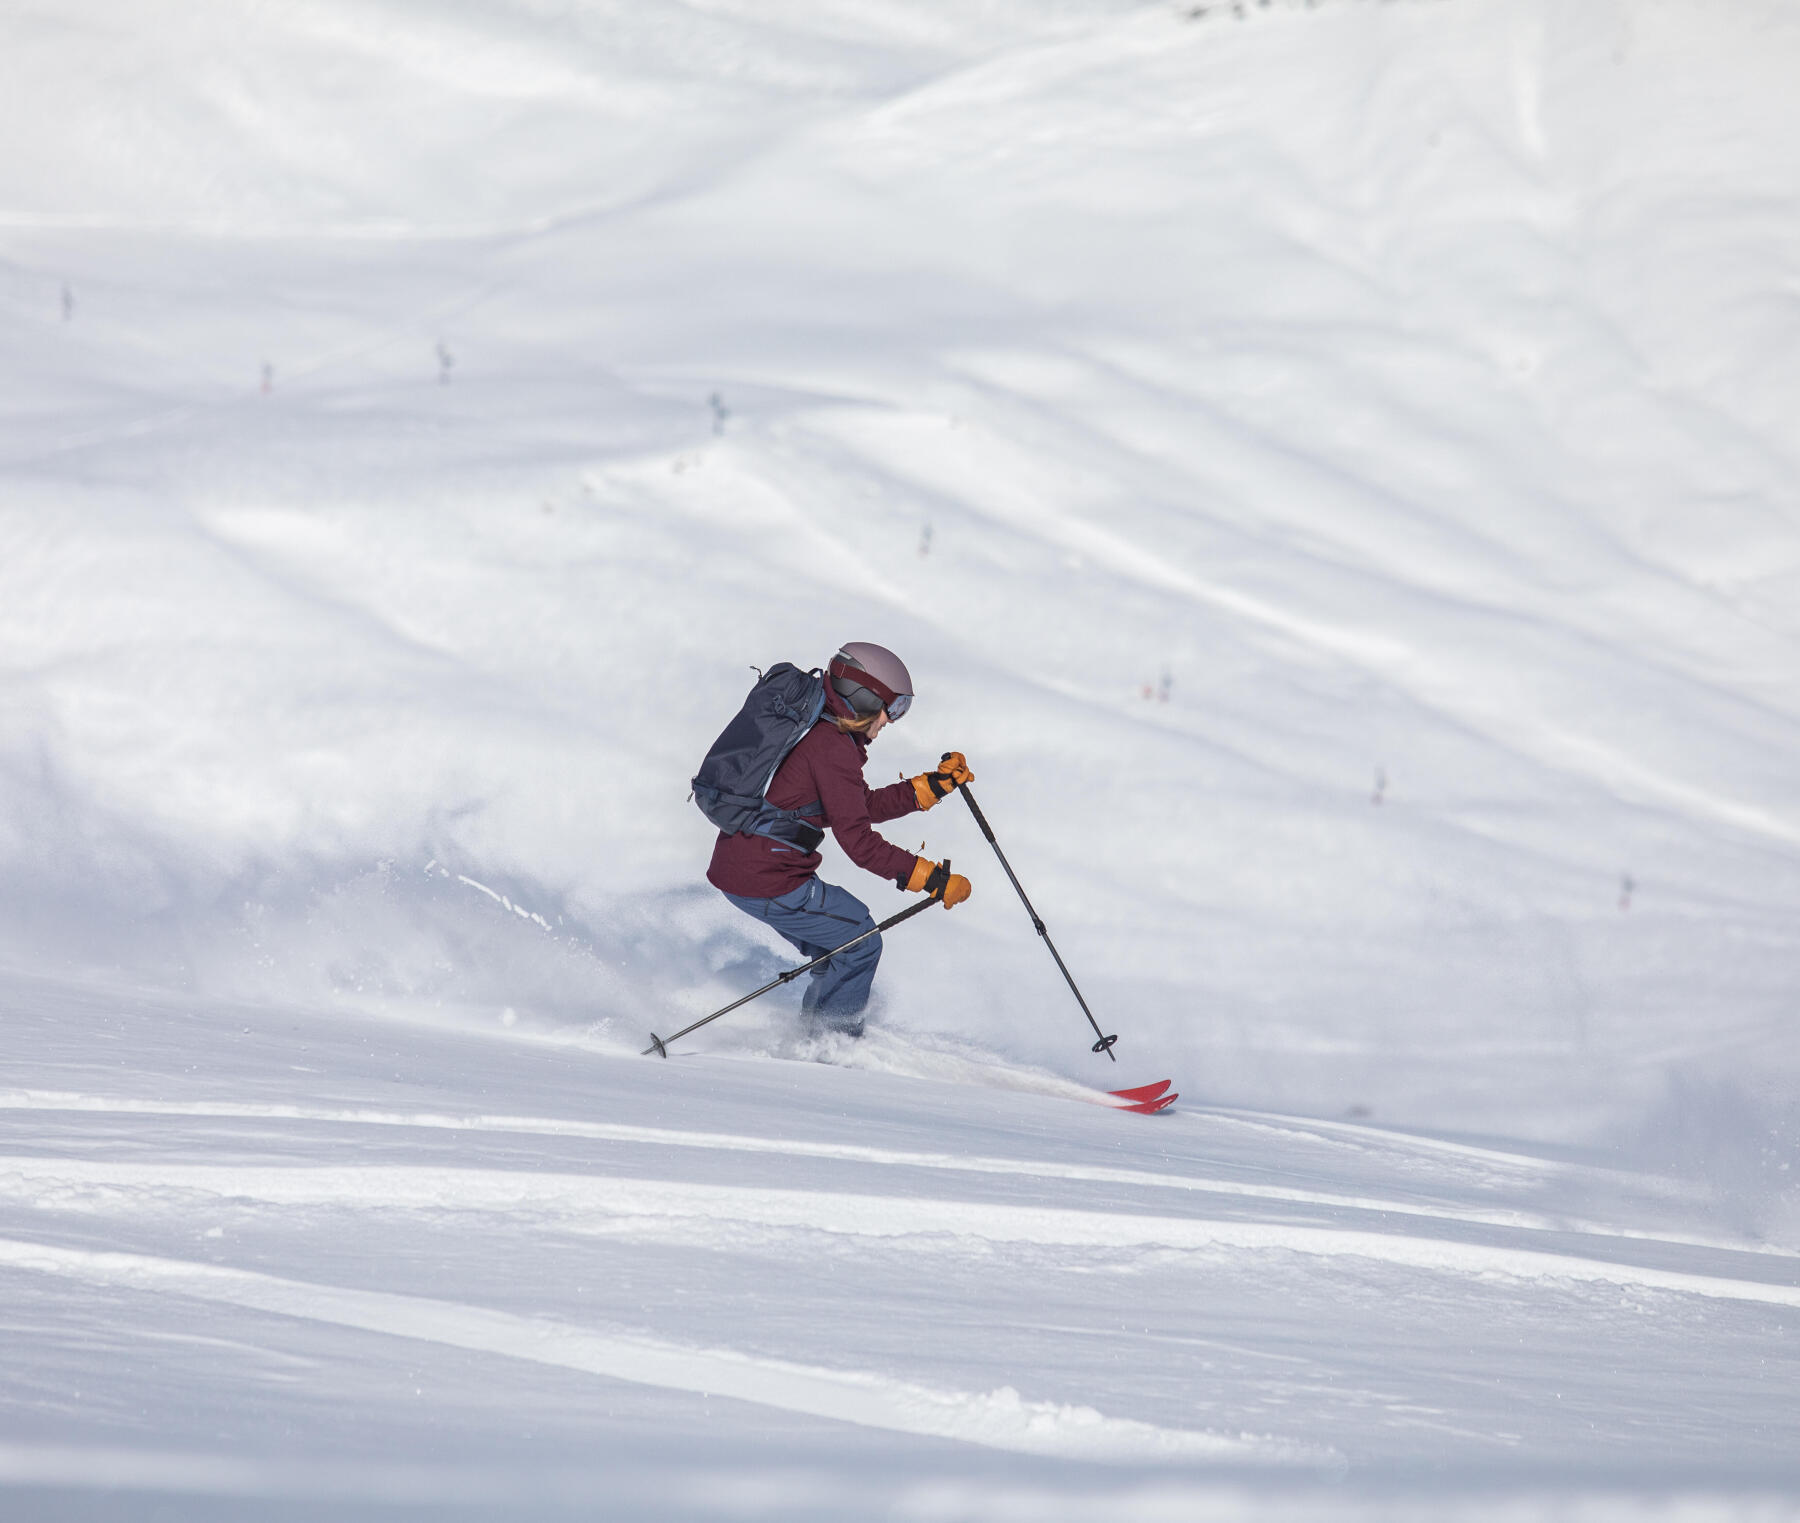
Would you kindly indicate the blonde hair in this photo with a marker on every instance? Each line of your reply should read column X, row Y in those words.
column 857, row 726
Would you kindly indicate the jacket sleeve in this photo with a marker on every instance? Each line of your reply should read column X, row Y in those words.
column 891, row 802
column 850, row 808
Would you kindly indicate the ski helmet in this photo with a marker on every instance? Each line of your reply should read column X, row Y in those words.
column 871, row 678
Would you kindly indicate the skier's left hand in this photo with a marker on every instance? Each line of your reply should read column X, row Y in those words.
column 937, row 881
column 952, row 772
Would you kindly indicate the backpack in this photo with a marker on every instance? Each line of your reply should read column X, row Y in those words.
column 733, row 779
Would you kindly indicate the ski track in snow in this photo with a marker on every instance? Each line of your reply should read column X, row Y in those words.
column 999, row 1419
column 578, row 1202
column 1408, row 1211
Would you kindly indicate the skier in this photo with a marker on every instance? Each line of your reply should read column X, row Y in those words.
column 867, row 687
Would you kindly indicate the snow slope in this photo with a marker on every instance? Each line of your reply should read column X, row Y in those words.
column 303, row 1263
column 1331, row 469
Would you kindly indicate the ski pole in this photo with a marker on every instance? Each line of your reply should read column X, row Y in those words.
column 660, row 1045
column 1105, row 1043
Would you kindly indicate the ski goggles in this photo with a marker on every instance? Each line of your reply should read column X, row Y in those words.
column 867, row 695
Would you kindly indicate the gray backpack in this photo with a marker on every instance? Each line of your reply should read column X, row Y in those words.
column 732, row 782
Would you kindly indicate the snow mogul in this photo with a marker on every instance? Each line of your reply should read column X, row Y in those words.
column 789, row 767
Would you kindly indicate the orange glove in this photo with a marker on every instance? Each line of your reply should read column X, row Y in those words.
column 936, row 879
column 953, row 771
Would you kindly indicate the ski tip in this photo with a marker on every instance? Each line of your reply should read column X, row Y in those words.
column 1151, row 1107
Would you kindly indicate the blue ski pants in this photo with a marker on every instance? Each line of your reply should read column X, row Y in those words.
column 816, row 917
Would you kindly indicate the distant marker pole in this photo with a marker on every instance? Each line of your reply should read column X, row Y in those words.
column 1104, row 1043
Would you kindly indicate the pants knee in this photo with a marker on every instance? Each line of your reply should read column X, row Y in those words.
column 865, row 954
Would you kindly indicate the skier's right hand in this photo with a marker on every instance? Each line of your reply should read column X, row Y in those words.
column 936, row 879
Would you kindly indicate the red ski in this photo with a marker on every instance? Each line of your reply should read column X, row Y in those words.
column 1151, row 1107
column 1142, row 1093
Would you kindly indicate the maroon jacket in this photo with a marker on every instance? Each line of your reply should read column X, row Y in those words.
column 827, row 768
